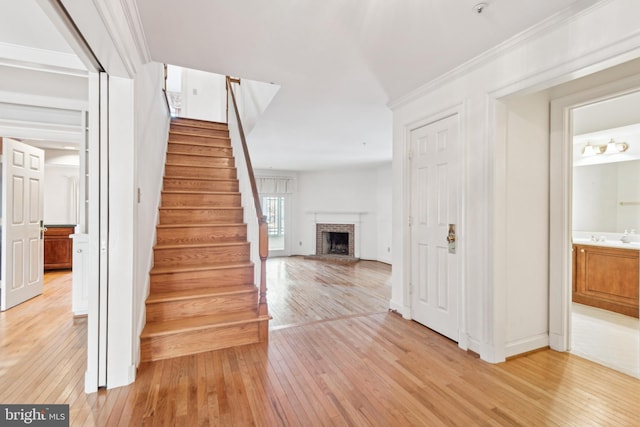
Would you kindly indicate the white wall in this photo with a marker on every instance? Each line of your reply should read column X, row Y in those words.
column 151, row 135
column 365, row 190
column 384, row 190
column 121, row 247
column 205, row 96
column 527, row 245
column 62, row 168
column 253, row 98
column 557, row 51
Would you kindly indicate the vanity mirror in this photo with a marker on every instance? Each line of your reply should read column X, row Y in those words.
column 606, row 166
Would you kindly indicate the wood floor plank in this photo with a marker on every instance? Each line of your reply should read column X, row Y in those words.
column 338, row 364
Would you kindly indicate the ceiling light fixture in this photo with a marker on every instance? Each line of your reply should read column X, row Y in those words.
column 611, row 147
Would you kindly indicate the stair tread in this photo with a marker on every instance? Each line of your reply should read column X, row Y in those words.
column 187, row 133
column 186, row 269
column 200, row 166
column 182, row 121
column 199, row 207
column 190, row 225
column 169, row 327
column 220, row 193
column 200, row 144
column 212, row 156
column 186, row 294
column 200, row 245
column 200, row 178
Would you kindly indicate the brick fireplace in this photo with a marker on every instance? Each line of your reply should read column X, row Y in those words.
column 335, row 239
column 347, row 225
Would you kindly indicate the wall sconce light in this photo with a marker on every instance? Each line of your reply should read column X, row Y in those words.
column 611, row 147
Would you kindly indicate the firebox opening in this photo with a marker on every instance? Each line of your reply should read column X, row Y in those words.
column 335, row 243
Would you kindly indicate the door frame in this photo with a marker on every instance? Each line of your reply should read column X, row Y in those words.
column 560, row 202
column 458, row 110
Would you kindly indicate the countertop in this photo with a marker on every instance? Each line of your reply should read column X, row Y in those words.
column 608, row 244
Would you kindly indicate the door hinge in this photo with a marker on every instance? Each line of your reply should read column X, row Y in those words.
column 410, row 221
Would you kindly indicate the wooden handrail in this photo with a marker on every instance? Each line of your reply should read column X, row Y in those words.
column 263, row 237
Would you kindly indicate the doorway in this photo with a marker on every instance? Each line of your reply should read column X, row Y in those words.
column 274, row 207
column 50, row 100
column 603, row 89
column 605, row 217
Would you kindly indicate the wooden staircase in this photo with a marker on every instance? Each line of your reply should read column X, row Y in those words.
column 202, row 295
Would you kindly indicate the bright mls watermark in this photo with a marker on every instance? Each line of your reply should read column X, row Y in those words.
column 34, row 415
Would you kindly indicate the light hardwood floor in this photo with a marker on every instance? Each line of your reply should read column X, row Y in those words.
column 357, row 369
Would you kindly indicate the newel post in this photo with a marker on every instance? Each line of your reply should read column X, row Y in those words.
column 263, row 247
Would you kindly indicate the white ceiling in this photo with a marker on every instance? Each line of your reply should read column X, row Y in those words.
column 338, row 62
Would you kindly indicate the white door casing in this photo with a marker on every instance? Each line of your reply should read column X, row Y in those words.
column 22, row 213
column 435, row 202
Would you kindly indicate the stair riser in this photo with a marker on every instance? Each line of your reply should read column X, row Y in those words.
column 201, row 257
column 195, row 235
column 220, row 146
column 198, row 172
column 226, row 200
column 185, row 343
column 177, row 184
column 198, row 139
column 208, row 279
column 200, row 160
column 188, row 130
column 200, row 150
column 201, row 216
column 183, row 123
column 173, row 310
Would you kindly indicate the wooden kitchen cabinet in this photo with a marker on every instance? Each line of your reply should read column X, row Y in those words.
column 606, row 278
column 58, row 247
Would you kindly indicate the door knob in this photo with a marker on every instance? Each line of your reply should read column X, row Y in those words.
column 451, row 238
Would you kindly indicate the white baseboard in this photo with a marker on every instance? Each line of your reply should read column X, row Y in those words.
column 402, row 309
column 81, row 311
column 473, row 345
column 526, row 344
column 558, row 342
column 90, row 382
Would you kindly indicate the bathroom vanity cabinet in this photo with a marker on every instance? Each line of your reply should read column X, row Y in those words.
column 606, row 277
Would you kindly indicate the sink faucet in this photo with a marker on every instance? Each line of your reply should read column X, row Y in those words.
column 626, row 238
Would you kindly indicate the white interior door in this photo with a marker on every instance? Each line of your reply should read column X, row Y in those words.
column 435, row 194
column 22, row 213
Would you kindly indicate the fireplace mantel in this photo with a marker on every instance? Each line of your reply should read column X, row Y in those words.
column 337, row 217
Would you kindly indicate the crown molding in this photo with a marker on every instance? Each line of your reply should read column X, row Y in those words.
column 571, row 13
column 122, row 22
column 132, row 15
